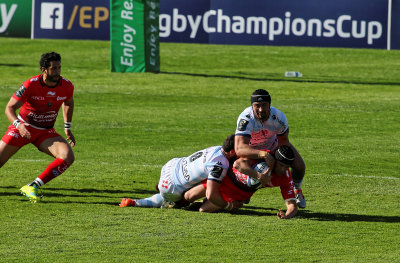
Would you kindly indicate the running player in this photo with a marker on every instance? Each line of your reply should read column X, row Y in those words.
column 180, row 174
column 262, row 127
column 235, row 187
column 39, row 99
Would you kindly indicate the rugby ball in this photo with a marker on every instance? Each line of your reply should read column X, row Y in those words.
column 254, row 183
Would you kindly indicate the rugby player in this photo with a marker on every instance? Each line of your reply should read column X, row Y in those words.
column 39, row 99
column 180, row 174
column 262, row 127
column 235, row 188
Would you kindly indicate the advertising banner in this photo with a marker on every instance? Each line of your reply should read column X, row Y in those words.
column 395, row 27
column 78, row 19
column 340, row 23
column 15, row 18
column 135, row 36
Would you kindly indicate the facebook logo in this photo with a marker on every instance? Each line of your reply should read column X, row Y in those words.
column 52, row 16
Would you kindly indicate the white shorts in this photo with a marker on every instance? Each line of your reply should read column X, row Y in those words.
column 166, row 185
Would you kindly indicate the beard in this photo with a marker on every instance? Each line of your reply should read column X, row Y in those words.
column 55, row 78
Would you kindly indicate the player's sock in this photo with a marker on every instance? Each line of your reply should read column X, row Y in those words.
column 152, row 201
column 37, row 183
column 57, row 167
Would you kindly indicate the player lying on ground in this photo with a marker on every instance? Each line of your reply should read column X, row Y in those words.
column 238, row 187
column 180, row 174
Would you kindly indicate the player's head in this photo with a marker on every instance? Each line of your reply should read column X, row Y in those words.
column 50, row 64
column 261, row 102
column 229, row 146
column 284, row 157
column 47, row 58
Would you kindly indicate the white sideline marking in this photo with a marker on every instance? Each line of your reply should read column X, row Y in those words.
column 364, row 176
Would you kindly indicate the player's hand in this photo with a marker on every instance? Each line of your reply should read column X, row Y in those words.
column 264, row 178
column 70, row 137
column 24, row 131
column 281, row 214
column 237, row 204
column 270, row 160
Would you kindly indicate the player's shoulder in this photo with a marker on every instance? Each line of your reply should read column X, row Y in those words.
column 66, row 82
column 247, row 113
column 277, row 115
column 32, row 81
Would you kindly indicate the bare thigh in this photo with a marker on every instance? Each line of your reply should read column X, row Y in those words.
column 59, row 148
column 6, row 152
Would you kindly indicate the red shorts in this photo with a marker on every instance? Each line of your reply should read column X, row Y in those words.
column 12, row 136
column 229, row 191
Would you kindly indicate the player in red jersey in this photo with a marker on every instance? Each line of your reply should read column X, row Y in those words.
column 235, row 189
column 39, row 100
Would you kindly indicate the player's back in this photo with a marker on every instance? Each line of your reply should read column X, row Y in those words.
column 197, row 167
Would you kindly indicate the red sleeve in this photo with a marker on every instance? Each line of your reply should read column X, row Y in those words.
column 21, row 93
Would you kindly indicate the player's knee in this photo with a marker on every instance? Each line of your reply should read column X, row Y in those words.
column 69, row 158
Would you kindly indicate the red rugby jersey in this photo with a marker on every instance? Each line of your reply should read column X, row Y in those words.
column 42, row 103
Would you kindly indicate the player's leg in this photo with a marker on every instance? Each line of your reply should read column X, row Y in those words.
column 6, row 152
column 298, row 172
column 195, row 193
column 58, row 148
column 10, row 143
column 208, row 207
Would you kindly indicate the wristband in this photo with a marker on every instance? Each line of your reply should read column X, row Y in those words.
column 16, row 123
column 67, row 125
column 229, row 206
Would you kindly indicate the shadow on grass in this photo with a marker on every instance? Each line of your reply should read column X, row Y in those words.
column 319, row 216
column 278, row 78
column 11, row 65
column 86, row 192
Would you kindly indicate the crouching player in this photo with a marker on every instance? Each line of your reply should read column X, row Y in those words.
column 234, row 188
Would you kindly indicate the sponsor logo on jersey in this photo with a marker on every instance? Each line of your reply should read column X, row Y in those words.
column 20, row 91
column 185, row 170
column 34, row 79
column 47, row 116
column 61, row 98
column 51, row 94
column 217, row 170
column 37, row 98
column 242, row 124
column 13, row 134
column 195, row 156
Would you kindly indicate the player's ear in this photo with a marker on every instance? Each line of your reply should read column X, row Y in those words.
column 43, row 69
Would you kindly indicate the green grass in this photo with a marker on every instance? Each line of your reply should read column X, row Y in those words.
column 344, row 119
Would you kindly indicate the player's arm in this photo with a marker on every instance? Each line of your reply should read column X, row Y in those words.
column 283, row 139
column 11, row 112
column 243, row 166
column 68, row 111
column 290, row 212
column 214, row 196
column 243, row 148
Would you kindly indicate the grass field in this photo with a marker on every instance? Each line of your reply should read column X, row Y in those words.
column 344, row 119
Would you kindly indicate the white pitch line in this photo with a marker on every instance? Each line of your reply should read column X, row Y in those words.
column 364, row 176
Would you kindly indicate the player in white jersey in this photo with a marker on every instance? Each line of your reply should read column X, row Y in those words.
column 180, row 174
column 262, row 127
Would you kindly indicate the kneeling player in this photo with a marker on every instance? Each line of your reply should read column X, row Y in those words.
column 234, row 188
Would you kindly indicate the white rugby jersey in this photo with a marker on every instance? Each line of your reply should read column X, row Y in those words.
column 209, row 163
column 263, row 135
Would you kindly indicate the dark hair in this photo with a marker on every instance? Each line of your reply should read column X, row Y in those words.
column 260, row 95
column 284, row 154
column 47, row 58
column 229, row 143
